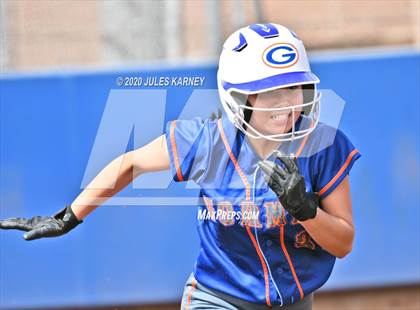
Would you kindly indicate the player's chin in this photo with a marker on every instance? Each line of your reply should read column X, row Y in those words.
column 275, row 130
column 276, row 126
column 278, row 129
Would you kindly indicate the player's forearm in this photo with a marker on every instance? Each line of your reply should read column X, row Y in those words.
column 112, row 179
column 333, row 234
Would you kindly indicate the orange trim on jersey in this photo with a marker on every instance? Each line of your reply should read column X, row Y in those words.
column 233, row 159
column 283, row 246
column 175, row 152
column 254, row 242
column 289, row 260
column 339, row 173
column 302, row 145
column 192, row 288
column 248, row 198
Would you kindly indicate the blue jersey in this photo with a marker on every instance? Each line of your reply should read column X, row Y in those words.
column 250, row 247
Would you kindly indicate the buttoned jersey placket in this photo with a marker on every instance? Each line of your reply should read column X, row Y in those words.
column 258, row 242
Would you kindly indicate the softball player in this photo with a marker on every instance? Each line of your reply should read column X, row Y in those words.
column 276, row 202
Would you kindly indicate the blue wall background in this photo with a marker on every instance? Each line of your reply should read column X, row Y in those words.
column 144, row 254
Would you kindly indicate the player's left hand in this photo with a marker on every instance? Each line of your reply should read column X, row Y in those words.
column 289, row 186
column 43, row 226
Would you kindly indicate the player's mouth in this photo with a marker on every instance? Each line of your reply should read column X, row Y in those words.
column 280, row 117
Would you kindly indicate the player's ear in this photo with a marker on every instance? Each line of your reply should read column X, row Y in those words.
column 251, row 100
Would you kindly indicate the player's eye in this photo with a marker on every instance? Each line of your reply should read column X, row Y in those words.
column 293, row 87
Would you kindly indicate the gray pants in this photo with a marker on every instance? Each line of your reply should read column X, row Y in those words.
column 196, row 296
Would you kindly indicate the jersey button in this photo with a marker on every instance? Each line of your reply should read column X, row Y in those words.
column 279, row 270
column 269, row 243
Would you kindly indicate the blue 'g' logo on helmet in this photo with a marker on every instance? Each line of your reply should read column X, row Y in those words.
column 280, row 55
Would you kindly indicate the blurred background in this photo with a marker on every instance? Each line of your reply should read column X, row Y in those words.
column 59, row 61
column 46, row 34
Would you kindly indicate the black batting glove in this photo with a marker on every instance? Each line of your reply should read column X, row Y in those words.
column 43, row 226
column 289, row 186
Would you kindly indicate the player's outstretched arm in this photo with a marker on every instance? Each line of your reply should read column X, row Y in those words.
column 113, row 178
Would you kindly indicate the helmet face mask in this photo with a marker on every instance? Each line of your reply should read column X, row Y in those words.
column 262, row 64
column 310, row 108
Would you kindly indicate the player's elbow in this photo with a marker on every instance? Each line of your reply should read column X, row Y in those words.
column 346, row 244
column 344, row 251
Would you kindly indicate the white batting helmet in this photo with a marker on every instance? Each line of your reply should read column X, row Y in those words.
column 260, row 58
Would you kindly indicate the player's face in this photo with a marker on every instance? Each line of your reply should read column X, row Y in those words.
column 276, row 122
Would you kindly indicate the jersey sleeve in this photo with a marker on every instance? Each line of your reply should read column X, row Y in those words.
column 188, row 143
column 333, row 164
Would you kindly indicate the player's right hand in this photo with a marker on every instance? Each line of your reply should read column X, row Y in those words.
column 43, row 226
column 289, row 186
